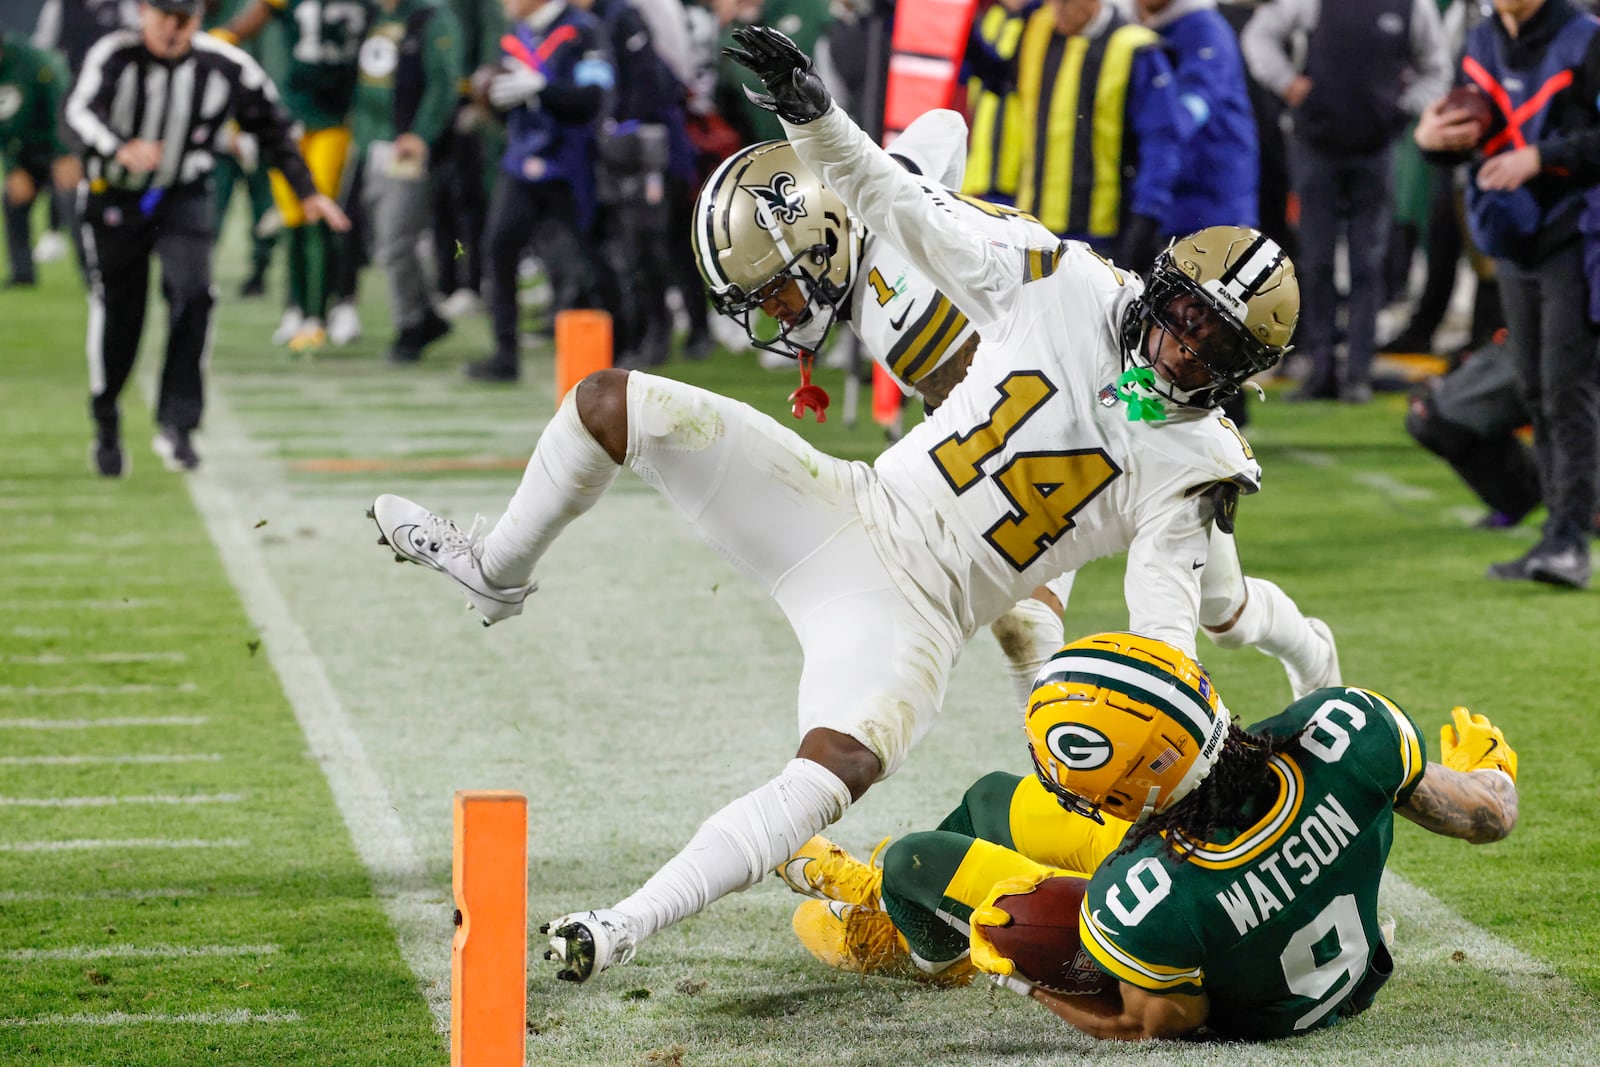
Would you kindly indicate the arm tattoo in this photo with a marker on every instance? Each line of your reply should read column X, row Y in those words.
column 937, row 385
column 1474, row 806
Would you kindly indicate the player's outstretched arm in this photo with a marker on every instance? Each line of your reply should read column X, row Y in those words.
column 1129, row 1013
column 1473, row 793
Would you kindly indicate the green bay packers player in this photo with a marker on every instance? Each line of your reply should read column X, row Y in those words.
column 769, row 238
column 1233, row 875
column 1029, row 469
column 324, row 39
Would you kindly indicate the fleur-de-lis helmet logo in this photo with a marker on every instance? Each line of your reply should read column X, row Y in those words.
column 780, row 199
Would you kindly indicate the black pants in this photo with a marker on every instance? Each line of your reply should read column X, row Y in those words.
column 542, row 215
column 1348, row 196
column 459, row 210
column 119, row 239
column 19, row 225
column 1558, row 366
column 633, row 278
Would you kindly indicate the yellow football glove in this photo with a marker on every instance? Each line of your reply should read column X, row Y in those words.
column 985, row 956
column 1473, row 743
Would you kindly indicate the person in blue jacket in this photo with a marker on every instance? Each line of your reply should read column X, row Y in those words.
column 555, row 76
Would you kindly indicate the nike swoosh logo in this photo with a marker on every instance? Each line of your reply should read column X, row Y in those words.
column 1197, row 566
column 901, row 321
column 1095, row 915
column 793, row 871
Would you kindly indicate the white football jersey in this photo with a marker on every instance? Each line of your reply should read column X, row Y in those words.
column 1030, row 468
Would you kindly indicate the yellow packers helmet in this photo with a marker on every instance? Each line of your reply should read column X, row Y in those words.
column 1242, row 276
column 1123, row 724
column 761, row 220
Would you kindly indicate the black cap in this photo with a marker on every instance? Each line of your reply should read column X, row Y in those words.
column 177, row 7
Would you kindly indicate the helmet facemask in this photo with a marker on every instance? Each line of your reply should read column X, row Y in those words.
column 820, row 302
column 1248, row 302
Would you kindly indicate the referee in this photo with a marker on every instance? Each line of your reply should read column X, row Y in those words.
column 147, row 107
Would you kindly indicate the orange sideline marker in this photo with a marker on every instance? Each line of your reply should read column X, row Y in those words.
column 489, row 955
column 583, row 345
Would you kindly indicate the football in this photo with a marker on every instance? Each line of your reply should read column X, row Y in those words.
column 1042, row 937
column 1470, row 99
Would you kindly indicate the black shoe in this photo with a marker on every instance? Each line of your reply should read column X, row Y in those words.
column 1567, row 566
column 403, row 350
column 493, row 369
column 106, row 457
column 175, row 449
column 430, row 329
column 255, row 285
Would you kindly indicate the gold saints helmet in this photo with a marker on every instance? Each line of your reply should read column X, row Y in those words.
column 1242, row 276
column 1124, row 724
column 763, row 220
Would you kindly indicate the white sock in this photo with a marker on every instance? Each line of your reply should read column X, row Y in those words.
column 1273, row 624
column 737, row 846
column 1029, row 634
column 567, row 473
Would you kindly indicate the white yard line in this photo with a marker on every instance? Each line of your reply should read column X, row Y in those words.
column 95, row 690
column 134, row 757
column 34, row 605
column 22, row 896
column 84, row 844
column 106, row 802
column 56, row 659
column 381, row 838
column 109, row 721
column 237, row 1017
column 134, row 952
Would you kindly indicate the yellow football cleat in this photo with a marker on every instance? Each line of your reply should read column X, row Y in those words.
column 819, row 868
column 863, row 940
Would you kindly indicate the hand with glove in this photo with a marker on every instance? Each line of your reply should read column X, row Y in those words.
column 990, row 915
column 520, row 85
column 794, row 91
column 1138, row 244
column 1473, row 743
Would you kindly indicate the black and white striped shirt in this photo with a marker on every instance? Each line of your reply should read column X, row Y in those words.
column 125, row 93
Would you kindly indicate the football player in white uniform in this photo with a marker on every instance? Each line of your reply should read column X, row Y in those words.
column 1030, row 469
column 750, row 224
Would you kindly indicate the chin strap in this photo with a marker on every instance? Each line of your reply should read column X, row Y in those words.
column 808, row 396
column 1136, row 387
column 1149, row 808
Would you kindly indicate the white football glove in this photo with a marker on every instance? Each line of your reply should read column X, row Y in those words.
column 517, row 86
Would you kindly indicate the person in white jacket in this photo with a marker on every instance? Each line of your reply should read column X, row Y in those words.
column 1083, row 428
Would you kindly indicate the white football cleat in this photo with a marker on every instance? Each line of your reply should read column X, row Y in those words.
column 288, row 326
column 461, row 303
column 587, row 942
column 1328, row 675
column 419, row 536
column 344, row 325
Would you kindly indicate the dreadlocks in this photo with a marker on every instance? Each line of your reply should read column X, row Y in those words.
column 1238, row 777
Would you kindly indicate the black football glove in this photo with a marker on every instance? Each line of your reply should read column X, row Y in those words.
column 793, row 90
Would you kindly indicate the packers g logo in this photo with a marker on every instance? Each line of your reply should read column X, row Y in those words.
column 1078, row 747
column 10, row 101
column 779, row 200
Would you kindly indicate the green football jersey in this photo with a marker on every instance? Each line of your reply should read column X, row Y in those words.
column 324, row 38
column 1276, row 922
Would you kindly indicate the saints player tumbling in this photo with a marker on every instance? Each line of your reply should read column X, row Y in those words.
column 769, row 237
column 324, row 39
column 1235, row 873
column 1030, row 469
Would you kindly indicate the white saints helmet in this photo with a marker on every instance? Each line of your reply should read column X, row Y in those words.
column 762, row 220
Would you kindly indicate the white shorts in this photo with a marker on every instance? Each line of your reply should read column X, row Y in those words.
column 787, row 515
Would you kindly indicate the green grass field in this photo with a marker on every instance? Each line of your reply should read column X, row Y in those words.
column 230, row 729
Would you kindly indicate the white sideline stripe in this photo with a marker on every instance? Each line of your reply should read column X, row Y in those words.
column 84, row 844
column 237, row 1017
column 135, row 952
column 114, row 720
column 22, row 896
column 380, row 836
column 95, row 690
column 136, row 757
column 39, row 631
column 103, row 802
column 56, row 659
